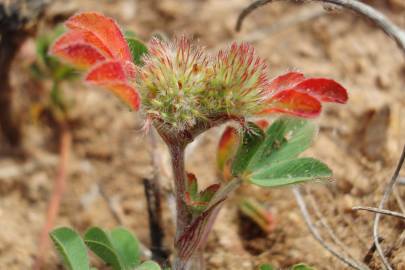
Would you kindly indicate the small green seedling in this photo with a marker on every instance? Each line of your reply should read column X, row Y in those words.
column 118, row 248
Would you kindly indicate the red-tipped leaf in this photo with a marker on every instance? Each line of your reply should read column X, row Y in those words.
column 107, row 71
column 126, row 92
column 83, row 37
column 294, row 103
column 79, row 55
column 325, row 89
column 106, row 29
column 285, row 81
column 227, row 146
column 262, row 123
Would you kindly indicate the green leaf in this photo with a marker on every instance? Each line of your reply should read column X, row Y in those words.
column 127, row 246
column 290, row 172
column 130, row 34
column 252, row 137
column 286, row 138
column 100, row 243
column 148, row 265
column 71, row 248
column 138, row 49
column 266, row 267
column 42, row 45
column 302, row 266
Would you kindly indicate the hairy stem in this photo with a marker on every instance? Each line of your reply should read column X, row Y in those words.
column 57, row 193
column 179, row 174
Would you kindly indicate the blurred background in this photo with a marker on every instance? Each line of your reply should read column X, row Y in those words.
column 110, row 154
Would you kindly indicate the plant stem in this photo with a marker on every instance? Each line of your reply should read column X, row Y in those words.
column 56, row 197
column 179, row 174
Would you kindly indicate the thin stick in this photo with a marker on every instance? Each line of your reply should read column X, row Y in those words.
column 56, row 197
column 381, row 211
column 116, row 216
column 369, row 256
column 153, row 195
column 314, row 231
column 387, row 193
column 118, row 219
column 399, row 200
column 401, row 181
column 289, row 21
column 365, row 10
column 156, row 232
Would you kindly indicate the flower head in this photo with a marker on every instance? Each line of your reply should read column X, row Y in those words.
column 238, row 82
column 173, row 81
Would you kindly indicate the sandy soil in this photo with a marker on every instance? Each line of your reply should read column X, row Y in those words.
column 361, row 141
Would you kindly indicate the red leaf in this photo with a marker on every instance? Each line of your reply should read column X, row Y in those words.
column 79, row 54
column 106, row 29
column 325, row 89
column 285, row 81
column 262, row 123
column 294, row 103
column 192, row 185
column 83, row 37
column 123, row 90
column 227, row 147
column 107, row 71
column 209, row 192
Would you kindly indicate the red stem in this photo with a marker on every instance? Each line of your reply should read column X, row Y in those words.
column 56, row 197
column 179, row 174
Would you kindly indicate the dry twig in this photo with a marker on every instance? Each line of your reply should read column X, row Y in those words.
column 381, row 211
column 154, row 202
column 328, row 229
column 314, row 231
column 365, row 10
column 387, row 193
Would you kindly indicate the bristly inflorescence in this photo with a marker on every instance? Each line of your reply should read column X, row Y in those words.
column 173, row 80
column 180, row 84
column 239, row 82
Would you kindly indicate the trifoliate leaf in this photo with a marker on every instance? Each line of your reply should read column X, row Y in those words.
column 100, row 243
column 290, row 172
column 285, row 139
column 127, row 247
